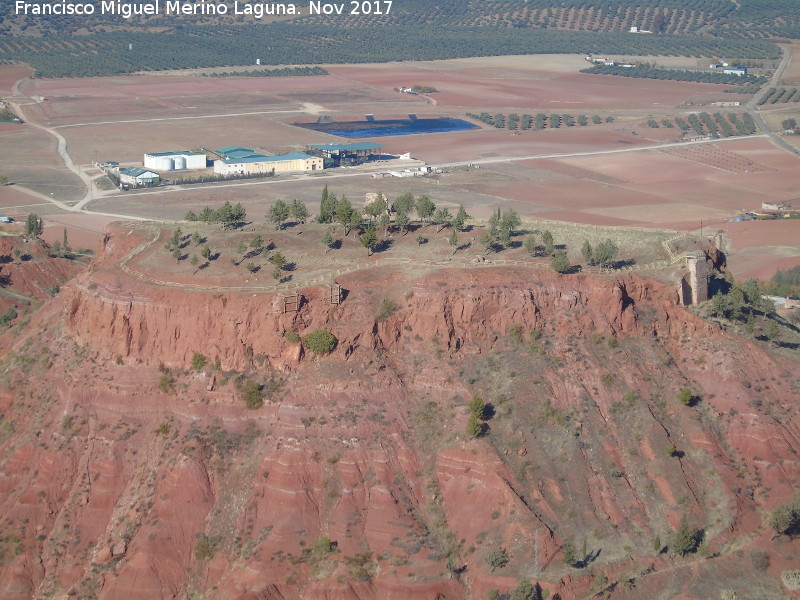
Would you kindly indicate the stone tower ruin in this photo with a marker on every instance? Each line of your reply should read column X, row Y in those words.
column 693, row 286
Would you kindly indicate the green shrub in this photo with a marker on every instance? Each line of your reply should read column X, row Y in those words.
column 631, row 398
column 474, row 428
column 252, row 394
column 477, row 406
column 203, row 547
column 386, row 310
column 685, row 396
column 525, row 591
column 497, row 558
column 560, row 263
column 292, row 336
column 785, row 519
column 8, row 316
column 684, row 540
column 166, row 383
column 322, row 547
column 198, row 361
column 320, row 341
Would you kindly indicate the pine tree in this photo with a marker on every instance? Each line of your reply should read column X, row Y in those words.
column 33, row 225
column 324, row 214
column 684, row 539
column 547, row 240
column 454, row 240
column 327, row 206
column 460, row 218
column 327, row 241
column 425, row 208
column 474, row 428
column 369, row 239
column 586, row 251
column 278, row 213
column 569, row 557
column 560, row 262
column 530, row 245
column 298, row 211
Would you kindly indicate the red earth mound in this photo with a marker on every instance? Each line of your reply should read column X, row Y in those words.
column 131, row 467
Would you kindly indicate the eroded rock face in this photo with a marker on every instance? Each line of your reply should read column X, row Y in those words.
column 117, row 483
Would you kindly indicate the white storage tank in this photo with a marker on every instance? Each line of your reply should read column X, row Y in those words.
column 180, row 163
column 167, row 164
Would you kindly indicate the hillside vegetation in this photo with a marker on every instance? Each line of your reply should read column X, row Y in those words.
column 412, row 30
column 210, row 46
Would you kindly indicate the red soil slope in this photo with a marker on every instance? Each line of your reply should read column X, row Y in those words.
column 123, row 479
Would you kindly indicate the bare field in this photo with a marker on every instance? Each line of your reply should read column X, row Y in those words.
column 529, row 88
column 9, row 75
column 759, row 248
column 83, row 231
column 28, row 157
column 253, row 131
column 15, row 203
column 792, row 72
column 75, row 101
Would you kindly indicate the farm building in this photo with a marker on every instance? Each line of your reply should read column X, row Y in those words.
column 175, row 161
column 344, row 154
column 138, row 177
column 233, row 152
column 296, row 162
column 740, row 71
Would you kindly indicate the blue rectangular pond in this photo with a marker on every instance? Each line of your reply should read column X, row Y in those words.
column 356, row 129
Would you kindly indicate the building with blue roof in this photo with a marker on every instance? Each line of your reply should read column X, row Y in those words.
column 344, row 154
column 138, row 177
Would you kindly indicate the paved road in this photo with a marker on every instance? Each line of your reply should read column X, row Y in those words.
column 478, row 161
column 751, row 104
column 61, row 146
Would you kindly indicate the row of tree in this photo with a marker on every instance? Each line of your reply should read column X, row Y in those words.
column 671, row 74
column 292, row 43
column 383, row 215
column 782, row 95
column 228, row 215
column 513, row 121
column 283, row 72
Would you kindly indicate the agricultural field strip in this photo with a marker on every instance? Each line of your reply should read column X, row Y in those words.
column 786, row 57
column 481, row 161
column 243, row 114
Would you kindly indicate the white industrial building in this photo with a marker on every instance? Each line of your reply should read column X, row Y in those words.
column 175, row 161
column 296, row 162
column 740, row 71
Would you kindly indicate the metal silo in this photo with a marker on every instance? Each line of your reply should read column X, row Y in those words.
column 167, row 164
column 180, row 163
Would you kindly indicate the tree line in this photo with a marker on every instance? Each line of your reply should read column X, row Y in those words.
column 291, row 43
column 645, row 72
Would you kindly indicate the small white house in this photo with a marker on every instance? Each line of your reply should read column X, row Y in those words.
column 138, row 177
